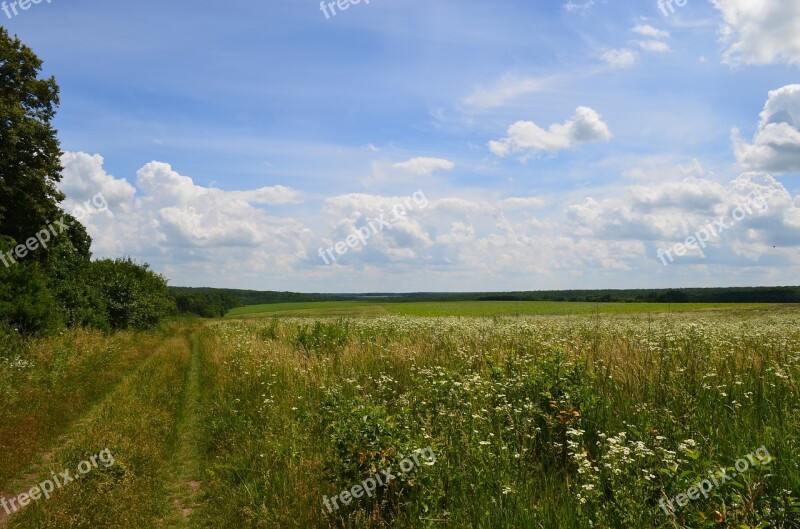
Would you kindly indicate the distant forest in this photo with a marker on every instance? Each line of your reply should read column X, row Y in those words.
column 214, row 302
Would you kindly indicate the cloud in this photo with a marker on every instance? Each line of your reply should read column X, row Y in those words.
column 191, row 215
column 269, row 196
column 506, row 89
column 586, row 126
column 760, row 32
column 656, row 46
column 776, row 144
column 581, row 8
column 526, row 202
column 663, row 215
column 181, row 224
column 198, row 235
column 649, row 31
column 83, row 177
column 664, row 168
column 623, row 58
column 424, row 166
column 691, row 194
column 397, row 224
column 452, row 232
column 655, row 41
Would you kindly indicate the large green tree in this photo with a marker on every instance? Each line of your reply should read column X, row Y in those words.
column 30, row 152
column 60, row 285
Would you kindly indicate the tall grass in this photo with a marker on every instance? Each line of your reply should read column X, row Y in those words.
column 544, row 422
column 47, row 384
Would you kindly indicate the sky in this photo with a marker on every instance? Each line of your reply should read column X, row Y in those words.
column 438, row 145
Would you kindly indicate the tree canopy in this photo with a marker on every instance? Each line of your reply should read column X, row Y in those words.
column 29, row 149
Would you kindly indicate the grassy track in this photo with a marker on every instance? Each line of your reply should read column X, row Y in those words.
column 138, row 422
column 186, row 464
column 473, row 308
column 52, row 383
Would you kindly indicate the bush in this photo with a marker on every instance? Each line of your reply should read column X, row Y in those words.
column 135, row 297
column 70, row 281
column 26, row 302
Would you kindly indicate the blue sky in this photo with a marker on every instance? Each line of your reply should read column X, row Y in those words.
column 556, row 146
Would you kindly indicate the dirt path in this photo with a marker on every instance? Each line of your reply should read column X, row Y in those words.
column 3, row 514
column 185, row 466
column 182, row 470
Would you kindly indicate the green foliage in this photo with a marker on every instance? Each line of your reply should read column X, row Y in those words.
column 29, row 150
column 323, row 337
column 71, row 282
column 69, row 290
column 208, row 304
column 135, row 297
column 270, row 332
column 13, row 342
column 246, row 302
column 26, row 302
column 556, row 393
column 366, row 439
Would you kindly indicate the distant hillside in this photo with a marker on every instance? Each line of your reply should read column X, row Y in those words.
column 216, row 302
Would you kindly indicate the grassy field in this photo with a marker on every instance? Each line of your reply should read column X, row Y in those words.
column 540, row 421
column 472, row 308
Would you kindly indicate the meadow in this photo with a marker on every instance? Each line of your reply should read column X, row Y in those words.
column 600, row 419
column 473, row 308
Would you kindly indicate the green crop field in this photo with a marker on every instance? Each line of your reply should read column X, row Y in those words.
column 473, row 308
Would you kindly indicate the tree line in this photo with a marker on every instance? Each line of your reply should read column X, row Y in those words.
column 216, row 302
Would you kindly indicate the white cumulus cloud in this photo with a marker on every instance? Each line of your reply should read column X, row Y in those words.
column 182, row 226
column 776, row 145
column 83, row 177
column 527, row 137
column 197, row 235
column 760, row 32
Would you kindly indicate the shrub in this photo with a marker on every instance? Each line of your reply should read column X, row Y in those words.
column 26, row 302
column 135, row 297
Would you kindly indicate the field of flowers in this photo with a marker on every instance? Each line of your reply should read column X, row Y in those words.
column 540, row 422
